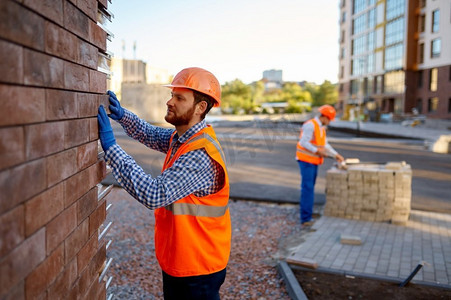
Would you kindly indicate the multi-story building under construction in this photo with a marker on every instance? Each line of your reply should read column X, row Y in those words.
column 395, row 57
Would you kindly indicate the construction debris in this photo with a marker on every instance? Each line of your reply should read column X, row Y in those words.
column 370, row 192
column 350, row 239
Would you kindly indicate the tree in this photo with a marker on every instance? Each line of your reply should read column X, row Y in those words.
column 327, row 94
column 236, row 96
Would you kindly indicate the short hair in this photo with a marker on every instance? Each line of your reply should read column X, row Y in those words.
column 199, row 97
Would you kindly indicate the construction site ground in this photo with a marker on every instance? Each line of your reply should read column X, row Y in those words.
column 261, row 167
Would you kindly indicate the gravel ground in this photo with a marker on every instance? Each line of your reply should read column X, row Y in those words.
column 261, row 234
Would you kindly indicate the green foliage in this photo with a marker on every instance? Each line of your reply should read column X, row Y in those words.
column 237, row 97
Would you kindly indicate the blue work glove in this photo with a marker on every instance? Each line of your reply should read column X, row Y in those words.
column 117, row 112
column 105, row 131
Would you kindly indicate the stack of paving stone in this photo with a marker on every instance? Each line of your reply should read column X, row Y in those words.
column 370, row 192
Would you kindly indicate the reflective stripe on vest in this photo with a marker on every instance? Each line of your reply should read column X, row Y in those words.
column 197, row 210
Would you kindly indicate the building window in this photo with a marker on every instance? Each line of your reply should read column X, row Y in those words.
column 394, row 57
column 370, row 64
column 432, row 104
column 433, row 76
column 421, row 23
column 394, row 82
column 421, row 53
column 372, row 18
column 371, row 41
column 358, row 66
column 358, row 6
column 436, row 46
column 394, row 31
column 435, row 20
column 340, row 87
column 359, row 24
column 420, row 78
column 355, row 87
column 379, row 84
column 395, row 8
column 420, row 106
column 359, row 45
column 343, row 17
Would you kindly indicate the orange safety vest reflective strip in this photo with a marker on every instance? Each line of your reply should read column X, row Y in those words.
column 193, row 235
column 318, row 140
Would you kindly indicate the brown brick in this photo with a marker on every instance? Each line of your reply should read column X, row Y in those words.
column 76, row 77
column 87, row 253
column 61, row 105
column 43, row 139
column 60, row 227
column 104, row 100
column 21, row 261
column 12, row 229
column 89, row 7
column 76, row 21
column 12, row 146
column 17, row 292
column 37, row 282
column 76, row 132
column 93, row 129
column 97, row 82
column 21, row 183
column 12, row 67
column 91, row 274
column 43, row 208
column 61, row 166
column 87, row 105
column 13, row 27
column 89, row 55
column 77, row 186
column 87, row 204
column 97, row 218
column 21, row 105
column 97, row 172
column 52, row 9
column 64, row 281
column 43, row 70
column 97, row 36
column 86, row 155
column 76, row 240
column 61, row 43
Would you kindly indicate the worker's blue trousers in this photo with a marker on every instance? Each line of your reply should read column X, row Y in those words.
column 308, row 180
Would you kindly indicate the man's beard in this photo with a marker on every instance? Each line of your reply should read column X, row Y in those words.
column 180, row 120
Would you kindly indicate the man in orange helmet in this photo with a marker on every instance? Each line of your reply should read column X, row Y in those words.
column 190, row 197
column 310, row 152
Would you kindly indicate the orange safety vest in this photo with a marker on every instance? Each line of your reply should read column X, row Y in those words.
column 318, row 140
column 193, row 235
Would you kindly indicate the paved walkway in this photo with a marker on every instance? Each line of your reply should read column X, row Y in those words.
column 387, row 251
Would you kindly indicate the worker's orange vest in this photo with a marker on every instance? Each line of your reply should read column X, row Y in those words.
column 318, row 140
column 193, row 235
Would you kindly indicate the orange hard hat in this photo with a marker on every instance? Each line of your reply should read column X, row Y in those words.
column 199, row 80
column 328, row 111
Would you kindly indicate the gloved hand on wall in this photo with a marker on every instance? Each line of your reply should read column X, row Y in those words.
column 105, row 131
column 117, row 112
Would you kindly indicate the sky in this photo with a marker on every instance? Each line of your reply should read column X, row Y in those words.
column 233, row 39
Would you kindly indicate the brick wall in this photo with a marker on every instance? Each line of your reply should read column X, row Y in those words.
column 49, row 168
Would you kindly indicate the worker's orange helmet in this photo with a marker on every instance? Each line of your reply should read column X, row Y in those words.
column 199, row 80
column 328, row 111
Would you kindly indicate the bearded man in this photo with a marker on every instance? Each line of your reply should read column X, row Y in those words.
column 190, row 196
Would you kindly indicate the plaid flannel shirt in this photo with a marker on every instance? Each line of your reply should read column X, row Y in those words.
column 194, row 172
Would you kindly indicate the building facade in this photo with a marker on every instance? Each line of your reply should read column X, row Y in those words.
column 395, row 57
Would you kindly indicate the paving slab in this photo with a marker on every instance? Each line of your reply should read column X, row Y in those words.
column 387, row 250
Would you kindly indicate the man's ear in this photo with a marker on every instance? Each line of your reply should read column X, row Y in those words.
column 201, row 107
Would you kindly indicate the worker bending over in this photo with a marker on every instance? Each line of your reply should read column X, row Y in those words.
column 190, row 197
column 310, row 152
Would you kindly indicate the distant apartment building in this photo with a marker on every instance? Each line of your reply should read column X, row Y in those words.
column 395, row 57
column 272, row 79
column 139, row 88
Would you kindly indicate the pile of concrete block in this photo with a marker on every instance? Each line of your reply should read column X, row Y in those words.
column 370, row 192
